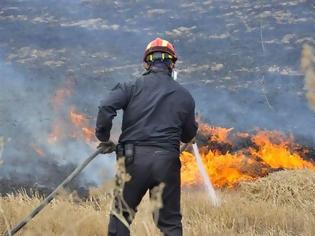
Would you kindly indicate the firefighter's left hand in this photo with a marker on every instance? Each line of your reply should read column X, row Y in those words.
column 106, row 147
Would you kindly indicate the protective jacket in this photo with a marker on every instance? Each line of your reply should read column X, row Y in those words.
column 158, row 111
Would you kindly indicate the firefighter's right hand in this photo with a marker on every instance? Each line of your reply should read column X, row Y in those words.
column 106, row 147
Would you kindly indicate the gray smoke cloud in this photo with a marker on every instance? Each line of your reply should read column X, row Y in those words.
column 239, row 59
column 28, row 118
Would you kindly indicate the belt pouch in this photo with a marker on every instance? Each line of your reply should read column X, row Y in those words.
column 129, row 153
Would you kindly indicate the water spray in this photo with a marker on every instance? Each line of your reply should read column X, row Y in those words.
column 207, row 182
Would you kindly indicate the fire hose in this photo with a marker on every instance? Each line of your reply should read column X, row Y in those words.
column 51, row 196
column 77, row 171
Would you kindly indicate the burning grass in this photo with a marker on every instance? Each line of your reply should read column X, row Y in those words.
column 279, row 204
column 231, row 157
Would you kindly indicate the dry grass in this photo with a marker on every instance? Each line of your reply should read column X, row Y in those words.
column 308, row 68
column 281, row 204
column 1, row 148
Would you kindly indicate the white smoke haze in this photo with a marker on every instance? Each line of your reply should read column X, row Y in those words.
column 30, row 116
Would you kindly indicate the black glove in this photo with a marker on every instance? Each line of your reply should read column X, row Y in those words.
column 106, row 147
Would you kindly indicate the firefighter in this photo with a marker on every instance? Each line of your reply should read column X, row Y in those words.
column 158, row 113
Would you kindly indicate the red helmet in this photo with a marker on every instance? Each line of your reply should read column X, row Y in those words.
column 160, row 45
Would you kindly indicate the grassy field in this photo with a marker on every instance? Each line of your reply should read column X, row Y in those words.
column 281, row 204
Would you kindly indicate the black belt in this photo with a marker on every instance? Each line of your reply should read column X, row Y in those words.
column 126, row 151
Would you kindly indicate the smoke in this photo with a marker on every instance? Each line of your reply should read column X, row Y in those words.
column 308, row 68
column 63, row 56
column 30, row 111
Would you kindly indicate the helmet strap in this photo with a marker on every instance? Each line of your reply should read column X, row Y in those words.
column 169, row 63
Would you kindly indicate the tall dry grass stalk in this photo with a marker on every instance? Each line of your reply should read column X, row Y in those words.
column 308, row 68
column 1, row 148
column 280, row 204
column 120, row 206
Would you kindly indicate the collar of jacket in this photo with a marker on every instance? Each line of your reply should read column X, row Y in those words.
column 159, row 67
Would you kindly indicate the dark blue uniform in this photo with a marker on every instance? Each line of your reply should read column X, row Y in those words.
column 158, row 114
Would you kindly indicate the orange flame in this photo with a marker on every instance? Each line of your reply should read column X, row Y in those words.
column 38, row 150
column 229, row 157
column 223, row 169
column 62, row 93
column 55, row 133
column 77, row 118
column 269, row 151
column 218, row 134
column 75, row 125
column 89, row 134
column 81, row 122
column 274, row 151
